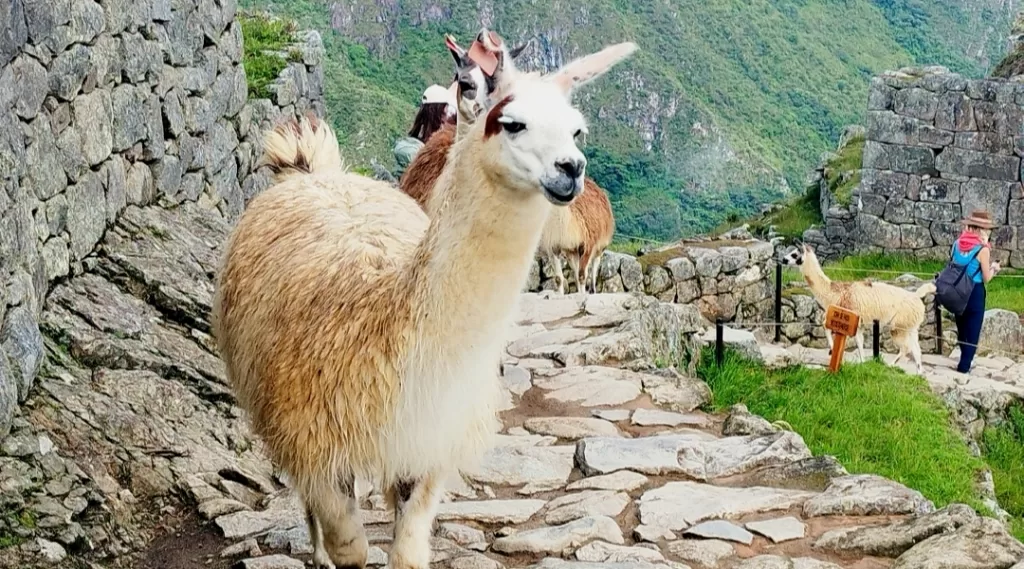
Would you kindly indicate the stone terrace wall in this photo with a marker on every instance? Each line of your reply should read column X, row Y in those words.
column 731, row 279
column 108, row 104
column 938, row 146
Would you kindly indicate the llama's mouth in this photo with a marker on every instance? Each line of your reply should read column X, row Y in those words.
column 562, row 190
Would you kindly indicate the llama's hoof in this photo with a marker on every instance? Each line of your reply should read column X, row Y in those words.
column 322, row 561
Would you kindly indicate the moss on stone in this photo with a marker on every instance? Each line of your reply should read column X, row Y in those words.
column 265, row 39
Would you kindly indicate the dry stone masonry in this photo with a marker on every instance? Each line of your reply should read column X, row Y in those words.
column 111, row 104
column 731, row 277
column 938, row 146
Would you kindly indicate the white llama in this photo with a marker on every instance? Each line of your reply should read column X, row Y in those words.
column 895, row 308
column 362, row 338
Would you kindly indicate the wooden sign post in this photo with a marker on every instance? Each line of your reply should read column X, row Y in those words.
column 843, row 324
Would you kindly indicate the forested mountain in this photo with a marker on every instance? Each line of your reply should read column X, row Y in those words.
column 726, row 107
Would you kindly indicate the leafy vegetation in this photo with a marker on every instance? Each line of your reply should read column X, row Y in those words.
column 265, row 39
column 1003, row 449
column 842, row 171
column 872, row 417
column 727, row 105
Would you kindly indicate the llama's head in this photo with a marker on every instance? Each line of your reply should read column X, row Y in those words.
column 529, row 137
column 475, row 69
column 799, row 255
column 793, row 257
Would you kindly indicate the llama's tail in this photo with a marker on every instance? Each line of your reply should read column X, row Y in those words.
column 301, row 147
column 925, row 290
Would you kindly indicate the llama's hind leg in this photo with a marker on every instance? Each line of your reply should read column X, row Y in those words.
column 415, row 504
column 335, row 531
column 914, row 342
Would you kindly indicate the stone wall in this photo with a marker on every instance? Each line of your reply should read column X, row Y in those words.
column 939, row 146
column 108, row 105
column 729, row 278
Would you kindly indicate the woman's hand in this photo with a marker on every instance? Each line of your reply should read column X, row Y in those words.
column 996, row 267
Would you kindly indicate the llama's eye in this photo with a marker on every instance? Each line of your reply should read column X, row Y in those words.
column 578, row 133
column 513, row 127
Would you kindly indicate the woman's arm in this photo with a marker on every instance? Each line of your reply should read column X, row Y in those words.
column 985, row 260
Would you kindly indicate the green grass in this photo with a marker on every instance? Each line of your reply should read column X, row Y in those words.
column 1003, row 449
column 842, row 172
column 873, row 418
column 264, row 39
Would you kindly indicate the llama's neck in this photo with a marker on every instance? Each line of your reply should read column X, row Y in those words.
column 819, row 282
column 475, row 258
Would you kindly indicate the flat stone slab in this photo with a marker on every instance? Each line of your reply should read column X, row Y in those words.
column 542, row 308
column 694, row 456
column 490, row 511
column 723, row 530
column 546, row 343
column 779, row 530
column 621, row 480
column 704, row 552
column 778, row 562
column 571, row 428
column 867, row 495
column 984, row 544
column 658, row 418
column 613, row 415
column 679, row 505
column 892, row 540
column 515, row 465
column 588, row 503
column 590, row 386
column 556, row 539
column 601, row 552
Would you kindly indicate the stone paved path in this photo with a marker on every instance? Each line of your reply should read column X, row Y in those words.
column 607, row 462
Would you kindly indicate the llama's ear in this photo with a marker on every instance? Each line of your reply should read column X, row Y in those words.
column 516, row 51
column 585, row 69
column 458, row 54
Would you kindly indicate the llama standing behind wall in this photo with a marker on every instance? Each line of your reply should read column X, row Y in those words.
column 347, row 326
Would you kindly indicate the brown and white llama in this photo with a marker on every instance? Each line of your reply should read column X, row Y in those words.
column 899, row 310
column 362, row 337
column 581, row 232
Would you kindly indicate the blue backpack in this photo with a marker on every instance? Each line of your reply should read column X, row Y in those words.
column 952, row 287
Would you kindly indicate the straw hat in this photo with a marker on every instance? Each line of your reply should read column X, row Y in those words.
column 979, row 218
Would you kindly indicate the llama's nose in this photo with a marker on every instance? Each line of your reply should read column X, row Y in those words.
column 571, row 168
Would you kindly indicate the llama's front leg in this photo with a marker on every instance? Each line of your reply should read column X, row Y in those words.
column 415, row 505
column 335, row 529
column 860, row 344
column 555, row 262
column 574, row 268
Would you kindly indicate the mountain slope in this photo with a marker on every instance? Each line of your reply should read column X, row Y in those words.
column 727, row 105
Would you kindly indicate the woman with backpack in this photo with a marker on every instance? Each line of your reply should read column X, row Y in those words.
column 972, row 254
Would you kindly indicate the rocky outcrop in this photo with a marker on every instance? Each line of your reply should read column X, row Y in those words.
column 110, row 105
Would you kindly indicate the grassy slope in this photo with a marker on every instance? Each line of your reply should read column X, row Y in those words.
column 877, row 419
column 779, row 78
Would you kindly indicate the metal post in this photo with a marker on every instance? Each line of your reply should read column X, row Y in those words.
column 719, row 341
column 875, row 340
column 778, row 302
column 938, row 324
